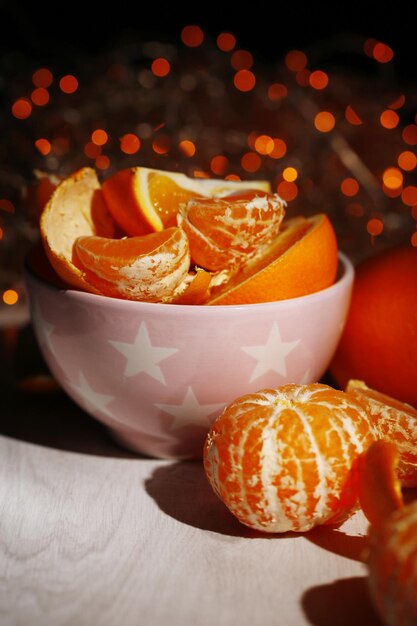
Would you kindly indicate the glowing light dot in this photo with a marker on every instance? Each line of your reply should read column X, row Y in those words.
column 91, row 150
column 161, row 144
column 349, row 187
column 99, row 137
column 251, row 162
column 407, row 160
column 287, row 190
column 102, row 162
column 398, row 102
column 389, row 119
column 187, row 147
column 192, row 36
column 244, row 80
column 201, row 174
column 129, row 143
column 290, row 174
column 279, row 150
column 352, row 117
column 392, row 178
column 40, row 96
column 277, row 91
column 42, row 78
column 1, row 233
column 318, row 79
column 264, row 144
column 241, row 60
column 409, row 195
column 43, row 145
column 414, row 239
column 226, row 42
column 21, row 108
column 6, row 205
column 375, row 226
column 382, row 53
column 409, row 135
column 160, row 67
column 232, row 177
column 219, row 164
column 295, row 60
column 10, row 296
column 68, row 84
column 324, row 121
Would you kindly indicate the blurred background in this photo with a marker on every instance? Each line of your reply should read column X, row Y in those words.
column 321, row 102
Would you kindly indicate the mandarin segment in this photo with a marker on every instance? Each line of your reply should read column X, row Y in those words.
column 284, row 459
column 148, row 268
column 396, row 422
column 226, row 232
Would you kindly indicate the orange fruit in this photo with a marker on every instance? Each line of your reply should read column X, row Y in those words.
column 379, row 341
column 195, row 289
column 302, row 259
column 284, row 459
column 396, row 422
column 75, row 208
column 148, row 268
column 227, row 232
column 144, row 200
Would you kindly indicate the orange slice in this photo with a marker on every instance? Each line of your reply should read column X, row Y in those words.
column 396, row 422
column 147, row 268
column 75, row 208
column 302, row 259
column 144, row 200
column 225, row 232
column 196, row 288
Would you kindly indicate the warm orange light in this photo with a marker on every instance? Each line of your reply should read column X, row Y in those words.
column 160, row 67
column 161, row 144
column 91, row 150
column 352, row 117
column 10, row 296
column 287, row 190
column 279, row 150
column 6, row 205
column 349, row 187
column 407, row 160
column 68, row 84
column 389, row 119
column 303, row 77
column 42, row 78
column 382, row 53
column 290, row 174
column 40, row 96
column 251, row 162
column 324, row 121
column 22, row 108
column 187, row 147
column 251, row 139
column 129, row 143
column 295, row 60
column 392, row 193
column 102, row 162
column 318, row 79
column 244, row 80
column 219, row 164
column 264, row 144
column 410, row 135
column 43, row 145
column 277, row 91
column 241, row 60
column 232, row 177
column 99, row 137
column 413, row 239
column 409, row 195
column 201, row 174
column 398, row 102
column 392, row 178
column 192, row 36
column 1, row 233
column 375, row 226
column 226, row 42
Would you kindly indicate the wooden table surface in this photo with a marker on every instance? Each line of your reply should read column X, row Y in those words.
column 91, row 534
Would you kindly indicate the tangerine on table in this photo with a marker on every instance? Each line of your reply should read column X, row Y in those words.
column 284, row 459
column 379, row 341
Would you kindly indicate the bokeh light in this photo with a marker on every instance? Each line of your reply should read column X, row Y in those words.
column 244, row 80
column 192, row 36
column 68, row 84
column 129, row 143
column 226, row 42
column 324, row 121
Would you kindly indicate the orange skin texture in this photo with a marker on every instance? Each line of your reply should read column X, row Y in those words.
column 379, row 341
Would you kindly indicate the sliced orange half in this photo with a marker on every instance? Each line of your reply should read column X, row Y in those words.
column 144, row 200
column 302, row 259
column 75, row 208
column 148, row 268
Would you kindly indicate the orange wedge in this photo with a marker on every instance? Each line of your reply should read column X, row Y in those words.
column 225, row 232
column 148, row 268
column 75, row 208
column 302, row 259
column 396, row 422
column 144, row 200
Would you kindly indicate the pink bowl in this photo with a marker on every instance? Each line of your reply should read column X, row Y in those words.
column 157, row 375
